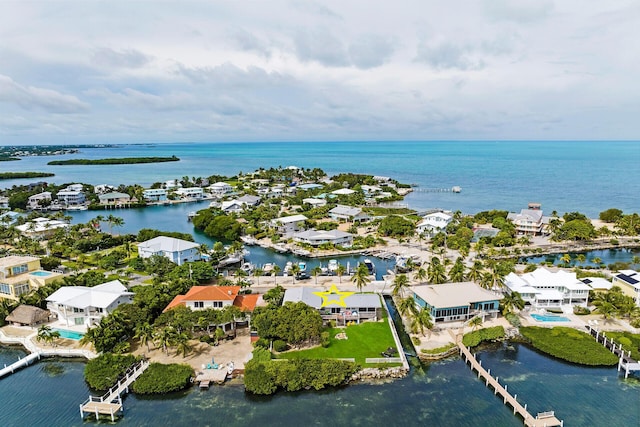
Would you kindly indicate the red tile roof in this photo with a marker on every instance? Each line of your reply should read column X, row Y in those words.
column 206, row 293
column 246, row 302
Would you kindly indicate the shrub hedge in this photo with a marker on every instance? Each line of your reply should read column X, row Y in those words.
column 569, row 344
column 103, row 371
column 292, row 375
column 628, row 340
column 472, row 339
column 160, row 379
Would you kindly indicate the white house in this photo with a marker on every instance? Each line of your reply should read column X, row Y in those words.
column 456, row 301
column 347, row 213
column 355, row 307
column 41, row 227
column 316, row 203
column 176, row 250
column 155, row 194
column 433, row 223
column 543, row 288
column 4, row 202
column 71, row 197
column 114, row 197
column 220, row 189
column 529, row 221
column 232, row 206
column 84, row 306
column 217, row 297
column 36, row 201
column 343, row 192
column 288, row 225
column 190, row 193
column 629, row 282
column 319, row 237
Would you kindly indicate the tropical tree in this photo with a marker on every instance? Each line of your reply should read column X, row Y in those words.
column 295, row 270
column 421, row 320
column 475, row 272
column 114, row 221
column 361, row 277
column 436, row 272
column 183, row 346
column 276, row 270
column 510, row 301
column 475, row 322
column 456, row 273
column 400, row 283
column 340, row 271
column 257, row 272
column 315, row 271
column 163, row 337
column 597, row 261
column 144, row 334
column 420, row 275
column 407, row 307
column 566, row 259
column 46, row 334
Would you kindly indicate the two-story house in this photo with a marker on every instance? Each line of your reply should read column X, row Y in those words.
column 433, row 223
column 288, row 225
column 176, row 250
column 543, row 288
column 20, row 275
column 83, row 306
column 629, row 282
column 451, row 302
column 155, row 194
column 529, row 221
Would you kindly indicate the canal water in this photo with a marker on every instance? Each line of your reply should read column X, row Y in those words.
column 607, row 256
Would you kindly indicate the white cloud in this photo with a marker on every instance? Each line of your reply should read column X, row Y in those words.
column 294, row 69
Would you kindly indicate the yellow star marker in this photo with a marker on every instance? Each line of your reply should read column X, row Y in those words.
column 329, row 297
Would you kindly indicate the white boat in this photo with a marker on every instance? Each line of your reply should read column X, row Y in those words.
column 247, row 267
column 302, row 266
column 370, row 266
column 332, row 266
column 287, row 268
column 248, row 240
column 267, row 268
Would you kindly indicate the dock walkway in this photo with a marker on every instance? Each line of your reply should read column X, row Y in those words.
column 111, row 402
column 542, row 419
column 625, row 361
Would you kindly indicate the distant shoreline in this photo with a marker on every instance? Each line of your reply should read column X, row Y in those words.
column 115, row 161
column 19, row 175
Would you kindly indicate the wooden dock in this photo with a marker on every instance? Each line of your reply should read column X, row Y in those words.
column 542, row 419
column 111, row 402
column 625, row 361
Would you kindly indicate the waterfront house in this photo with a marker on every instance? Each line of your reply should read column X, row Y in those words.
column 316, row 203
column 4, row 202
column 629, row 282
column 529, row 221
column 176, row 250
column 41, row 228
column 103, row 188
column 456, row 301
column 20, row 275
column 343, row 192
column 310, row 186
column 598, row 284
column 288, row 225
column 85, row 306
column 190, row 193
column 155, row 194
column 37, row 201
column 71, row 196
column 172, row 184
column 357, row 306
column 114, row 198
column 544, row 288
column 205, row 297
column 347, row 213
column 250, row 200
column 434, row 223
column 220, row 189
column 318, row 237
column 9, row 217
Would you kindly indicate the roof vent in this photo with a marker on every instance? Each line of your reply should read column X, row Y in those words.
column 229, row 292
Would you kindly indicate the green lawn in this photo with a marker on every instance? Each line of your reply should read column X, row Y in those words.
column 369, row 339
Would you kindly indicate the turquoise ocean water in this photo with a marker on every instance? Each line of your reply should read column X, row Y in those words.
column 562, row 175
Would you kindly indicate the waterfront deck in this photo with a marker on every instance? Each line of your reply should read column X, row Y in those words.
column 111, row 402
column 542, row 419
column 625, row 362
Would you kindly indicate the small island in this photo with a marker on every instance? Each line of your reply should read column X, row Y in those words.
column 18, row 175
column 115, row 161
column 8, row 159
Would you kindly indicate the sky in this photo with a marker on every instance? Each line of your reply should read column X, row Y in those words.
column 89, row 71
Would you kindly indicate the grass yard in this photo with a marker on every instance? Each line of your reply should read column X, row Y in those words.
column 369, row 339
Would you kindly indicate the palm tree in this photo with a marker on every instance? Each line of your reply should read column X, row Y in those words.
column 510, row 301
column 276, row 270
column 164, row 338
column 581, row 258
column 607, row 309
column 456, row 273
column 361, row 277
column 420, row 275
column 475, row 272
column 182, row 344
column 257, row 272
column 340, row 270
column 436, row 271
column 407, row 307
column 315, row 271
column 144, row 333
column 400, row 283
column 114, row 221
column 45, row 333
column 475, row 322
column 597, row 261
column 421, row 321
column 295, row 270
column 565, row 259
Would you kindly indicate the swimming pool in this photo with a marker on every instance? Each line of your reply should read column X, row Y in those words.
column 40, row 273
column 72, row 335
column 549, row 318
